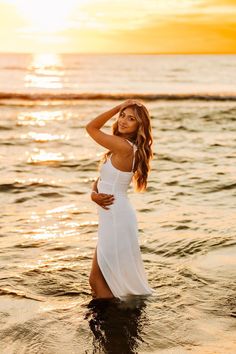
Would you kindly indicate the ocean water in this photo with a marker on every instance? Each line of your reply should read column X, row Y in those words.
column 187, row 216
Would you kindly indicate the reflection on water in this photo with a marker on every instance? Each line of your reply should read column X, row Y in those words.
column 117, row 326
column 44, row 72
column 39, row 118
column 42, row 137
column 41, row 156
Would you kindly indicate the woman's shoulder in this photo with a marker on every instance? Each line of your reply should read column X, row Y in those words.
column 132, row 144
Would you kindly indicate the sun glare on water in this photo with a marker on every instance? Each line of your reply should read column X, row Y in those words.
column 45, row 72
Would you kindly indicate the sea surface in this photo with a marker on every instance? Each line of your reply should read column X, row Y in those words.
column 187, row 216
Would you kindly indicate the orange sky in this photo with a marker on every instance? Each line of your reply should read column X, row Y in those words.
column 129, row 26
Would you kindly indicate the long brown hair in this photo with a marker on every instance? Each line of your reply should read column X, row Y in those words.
column 142, row 138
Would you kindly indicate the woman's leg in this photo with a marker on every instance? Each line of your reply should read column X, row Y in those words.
column 99, row 286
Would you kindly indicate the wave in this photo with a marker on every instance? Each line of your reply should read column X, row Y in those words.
column 17, row 187
column 42, row 96
column 186, row 247
column 19, row 294
column 18, row 68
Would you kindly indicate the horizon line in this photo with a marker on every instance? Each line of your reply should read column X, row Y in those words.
column 119, row 53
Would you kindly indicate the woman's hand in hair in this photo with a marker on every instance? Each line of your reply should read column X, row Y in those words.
column 130, row 102
column 103, row 199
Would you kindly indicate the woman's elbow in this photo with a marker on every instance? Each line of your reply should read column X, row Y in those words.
column 91, row 130
column 88, row 128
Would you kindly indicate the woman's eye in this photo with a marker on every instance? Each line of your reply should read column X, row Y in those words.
column 129, row 118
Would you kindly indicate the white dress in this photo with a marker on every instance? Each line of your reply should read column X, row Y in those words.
column 118, row 251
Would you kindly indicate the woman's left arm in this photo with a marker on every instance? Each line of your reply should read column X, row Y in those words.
column 102, row 199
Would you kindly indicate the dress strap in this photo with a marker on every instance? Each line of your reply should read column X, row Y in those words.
column 134, row 150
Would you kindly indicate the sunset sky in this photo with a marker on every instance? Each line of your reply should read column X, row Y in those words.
column 123, row 26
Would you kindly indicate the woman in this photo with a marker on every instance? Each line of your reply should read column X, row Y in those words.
column 117, row 268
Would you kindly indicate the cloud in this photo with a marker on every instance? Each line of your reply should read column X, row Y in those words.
column 9, row 17
column 219, row 2
column 131, row 14
column 218, row 6
column 190, row 28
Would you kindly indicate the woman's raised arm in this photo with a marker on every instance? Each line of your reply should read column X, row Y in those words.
column 109, row 141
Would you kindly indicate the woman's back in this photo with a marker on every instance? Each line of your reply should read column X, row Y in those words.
column 113, row 180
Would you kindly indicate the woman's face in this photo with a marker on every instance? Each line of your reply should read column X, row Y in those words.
column 127, row 123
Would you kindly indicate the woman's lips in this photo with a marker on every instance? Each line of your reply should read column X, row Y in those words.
column 122, row 127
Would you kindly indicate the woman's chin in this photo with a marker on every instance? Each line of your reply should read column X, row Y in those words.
column 121, row 131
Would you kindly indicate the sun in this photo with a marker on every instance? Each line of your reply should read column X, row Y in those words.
column 47, row 15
